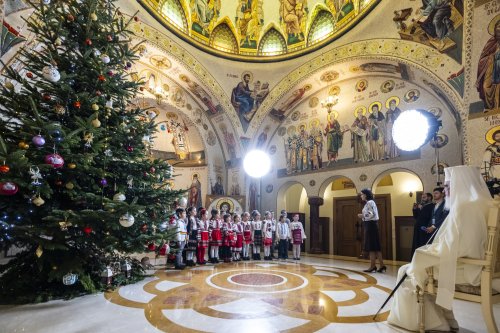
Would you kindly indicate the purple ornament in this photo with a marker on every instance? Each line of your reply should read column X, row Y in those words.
column 38, row 140
column 103, row 182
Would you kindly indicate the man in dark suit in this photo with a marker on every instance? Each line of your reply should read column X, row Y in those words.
column 422, row 213
column 439, row 213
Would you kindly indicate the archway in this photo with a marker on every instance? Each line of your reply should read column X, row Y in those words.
column 397, row 190
column 292, row 197
column 331, row 190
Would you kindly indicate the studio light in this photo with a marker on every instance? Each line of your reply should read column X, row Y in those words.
column 414, row 128
column 256, row 163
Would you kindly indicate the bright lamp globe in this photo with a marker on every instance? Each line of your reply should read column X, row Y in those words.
column 410, row 130
column 256, row 163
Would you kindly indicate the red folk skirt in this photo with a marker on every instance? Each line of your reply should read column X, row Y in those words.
column 247, row 236
column 228, row 239
column 216, row 238
column 203, row 243
column 239, row 243
column 268, row 241
column 297, row 236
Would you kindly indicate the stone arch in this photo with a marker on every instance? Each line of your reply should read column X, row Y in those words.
column 416, row 55
column 280, row 196
column 324, row 185
column 392, row 170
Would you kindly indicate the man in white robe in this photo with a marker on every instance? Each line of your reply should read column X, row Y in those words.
column 462, row 234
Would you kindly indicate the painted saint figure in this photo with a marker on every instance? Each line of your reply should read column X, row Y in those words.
column 491, row 155
column 488, row 68
column 436, row 19
column 195, row 192
column 376, row 121
column 218, row 189
column 393, row 112
column 334, row 137
column 359, row 137
column 316, row 144
column 292, row 14
column 303, row 149
column 242, row 95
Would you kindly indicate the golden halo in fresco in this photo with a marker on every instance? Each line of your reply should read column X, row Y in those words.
column 308, row 87
column 313, row 102
column 291, row 130
column 491, row 26
column 387, row 86
column 247, row 73
column 171, row 115
column 358, row 109
column 489, row 134
column 361, row 85
column 393, row 98
column 302, row 125
column 437, row 112
column 314, row 123
column 335, row 115
column 373, row 104
column 312, row 297
column 354, row 69
column 329, row 76
column 334, row 91
column 228, row 203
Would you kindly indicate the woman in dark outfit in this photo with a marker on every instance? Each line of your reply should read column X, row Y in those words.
column 371, row 243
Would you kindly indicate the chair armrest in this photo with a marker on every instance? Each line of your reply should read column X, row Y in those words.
column 470, row 261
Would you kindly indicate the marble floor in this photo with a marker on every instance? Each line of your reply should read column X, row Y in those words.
column 313, row 295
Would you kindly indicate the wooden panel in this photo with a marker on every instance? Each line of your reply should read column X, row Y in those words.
column 347, row 227
column 324, row 225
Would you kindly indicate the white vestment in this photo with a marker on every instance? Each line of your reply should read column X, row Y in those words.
column 462, row 234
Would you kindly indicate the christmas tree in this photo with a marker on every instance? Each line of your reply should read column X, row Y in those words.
column 79, row 190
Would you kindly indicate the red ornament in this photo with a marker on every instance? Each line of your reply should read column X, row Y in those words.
column 152, row 170
column 4, row 168
column 145, row 174
column 88, row 41
column 109, row 38
column 70, row 18
column 29, row 75
column 144, row 228
column 101, row 78
column 77, row 104
column 164, row 250
column 87, row 230
column 151, row 246
column 110, row 73
column 46, row 97
column 129, row 149
column 98, row 93
column 58, row 182
column 55, row 160
column 8, row 188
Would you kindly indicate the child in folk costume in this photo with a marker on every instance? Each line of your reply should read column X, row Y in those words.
column 256, row 234
column 227, row 238
column 298, row 236
column 267, row 234
column 274, row 224
column 214, row 230
column 282, row 237
column 238, row 230
column 202, row 236
column 247, row 235
column 192, row 230
column 179, row 227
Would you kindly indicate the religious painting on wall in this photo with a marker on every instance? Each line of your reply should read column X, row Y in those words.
column 285, row 106
column 194, row 194
column 226, row 204
column 249, row 22
column 293, row 18
column 491, row 156
column 230, row 142
column 334, row 133
column 201, row 93
column 217, row 188
column 247, row 97
column 437, row 24
column 204, row 15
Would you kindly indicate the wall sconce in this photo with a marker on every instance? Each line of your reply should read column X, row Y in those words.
column 410, row 194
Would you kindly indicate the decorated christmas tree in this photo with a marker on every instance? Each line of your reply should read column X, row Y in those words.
column 79, row 190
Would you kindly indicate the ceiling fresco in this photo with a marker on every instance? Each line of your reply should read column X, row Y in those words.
column 258, row 30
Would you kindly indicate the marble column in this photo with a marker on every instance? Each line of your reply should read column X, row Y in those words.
column 314, row 203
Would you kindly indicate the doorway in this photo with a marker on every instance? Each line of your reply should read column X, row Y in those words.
column 348, row 228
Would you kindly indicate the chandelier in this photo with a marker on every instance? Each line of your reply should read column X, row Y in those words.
column 329, row 102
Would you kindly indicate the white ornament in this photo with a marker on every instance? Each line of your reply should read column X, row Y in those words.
column 109, row 104
column 105, row 58
column 97, row 52
column 50, row 73
column 127, row 220
column 119, row 197
column 47, row 2
column 70, row 279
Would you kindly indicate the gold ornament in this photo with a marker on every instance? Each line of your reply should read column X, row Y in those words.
column 64, row 225
column 9, row 85
column 59, row 109
column 95, row 107
column 39, row 251
column 70, row 185
column 38, row 201
column 71, row 165
column 96, row 123
column 93, row 17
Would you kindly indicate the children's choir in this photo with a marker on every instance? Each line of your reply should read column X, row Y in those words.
column 233, row 235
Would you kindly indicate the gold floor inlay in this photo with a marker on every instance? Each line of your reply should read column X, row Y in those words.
column 258, row 292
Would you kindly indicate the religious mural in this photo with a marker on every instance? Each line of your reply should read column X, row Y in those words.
column 204, row 15
column 249, row 22
column 435, row 23
column 247, row 96
column 293, row 19
column 194, row 192
column 491, row 156
column 290, row 102
column 199, row 92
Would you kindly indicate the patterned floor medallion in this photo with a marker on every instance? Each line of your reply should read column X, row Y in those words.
column 257, row 297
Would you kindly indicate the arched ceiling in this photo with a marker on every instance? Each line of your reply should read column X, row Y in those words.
column 258, row 30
